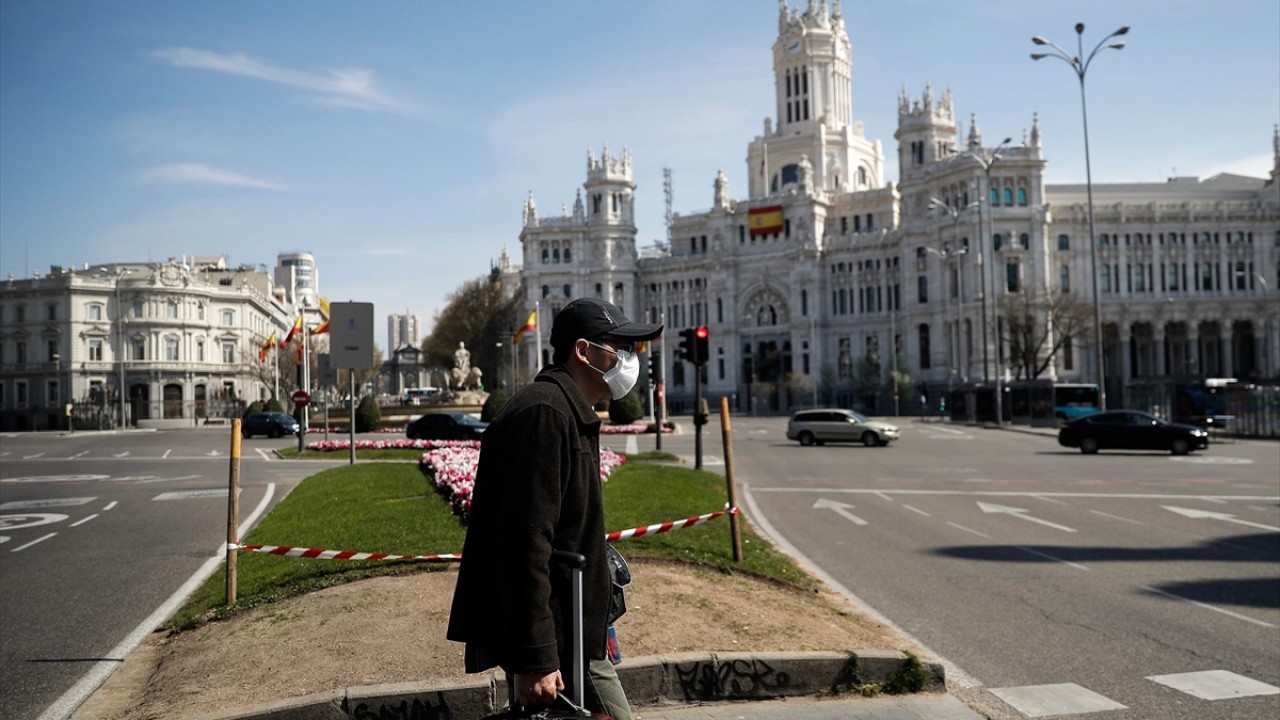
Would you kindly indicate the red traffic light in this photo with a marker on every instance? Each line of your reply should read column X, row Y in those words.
column 701, row 333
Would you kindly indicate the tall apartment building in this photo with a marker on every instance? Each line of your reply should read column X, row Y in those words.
column 824, row 275
column 151, row 344
column 297, row 273
column 403, row 331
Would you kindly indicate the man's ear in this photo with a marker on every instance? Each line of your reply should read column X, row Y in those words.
column 580, row 347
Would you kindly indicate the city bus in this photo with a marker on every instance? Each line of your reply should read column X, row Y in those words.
column 1072, row 400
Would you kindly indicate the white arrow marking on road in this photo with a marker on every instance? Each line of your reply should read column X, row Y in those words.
column 1021, row 513
column 123, row 454
column 32, row 457
column 841, row 509
column 1226, row 517
column 80, row 454
column 214, row 453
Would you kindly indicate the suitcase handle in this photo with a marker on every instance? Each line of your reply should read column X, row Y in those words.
column 576, row 562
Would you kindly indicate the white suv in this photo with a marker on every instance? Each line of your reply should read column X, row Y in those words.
column 815, row 427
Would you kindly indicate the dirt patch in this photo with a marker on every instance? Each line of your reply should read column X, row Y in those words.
column 391, row 630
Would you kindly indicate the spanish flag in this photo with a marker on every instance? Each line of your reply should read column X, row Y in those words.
column 321, row 329
column 266, row 347
column 529, row 326
column 295, row 330
column 765, row 220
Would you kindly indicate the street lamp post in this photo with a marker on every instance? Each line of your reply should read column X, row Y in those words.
column 1080, row 65
column 953, row 349
column 987, row 160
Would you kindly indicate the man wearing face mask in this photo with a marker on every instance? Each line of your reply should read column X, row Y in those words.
column 537, row 490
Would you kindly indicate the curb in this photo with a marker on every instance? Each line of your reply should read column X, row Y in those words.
column 666, row 680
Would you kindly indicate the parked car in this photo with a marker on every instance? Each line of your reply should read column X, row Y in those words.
column 815, row 427
column 1130, row 430
column 271, row 424
column 446, row 426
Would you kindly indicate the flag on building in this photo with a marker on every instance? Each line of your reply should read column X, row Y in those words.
column 321, row 329
column 295, row 330
column 529, row 325
column 765, row 220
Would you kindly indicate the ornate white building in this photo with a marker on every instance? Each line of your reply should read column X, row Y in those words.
column 824, row 279
column 180, row 337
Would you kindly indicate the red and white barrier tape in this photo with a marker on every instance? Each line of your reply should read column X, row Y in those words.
column 319, row 554
column 668, row 526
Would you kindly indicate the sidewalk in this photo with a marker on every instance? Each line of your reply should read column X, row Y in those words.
column 910, row 707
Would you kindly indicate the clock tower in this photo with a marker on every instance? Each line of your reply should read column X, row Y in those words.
column 814, row 110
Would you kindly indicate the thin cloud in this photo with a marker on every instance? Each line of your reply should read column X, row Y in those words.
column 199, row 174
column 343, row 88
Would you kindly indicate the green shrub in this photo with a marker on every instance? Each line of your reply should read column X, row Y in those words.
column 368, row 415
column 627, row 410
column 254, row 407
column 497, row 399
column 274, row 405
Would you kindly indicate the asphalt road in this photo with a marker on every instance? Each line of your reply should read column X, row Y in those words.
column 1133, row 585
column 100, row 530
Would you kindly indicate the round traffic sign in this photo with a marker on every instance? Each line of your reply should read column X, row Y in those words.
column 300, row 398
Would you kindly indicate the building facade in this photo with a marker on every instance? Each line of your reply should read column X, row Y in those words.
column 826, row 285
column 146, row 344
column 297, row 275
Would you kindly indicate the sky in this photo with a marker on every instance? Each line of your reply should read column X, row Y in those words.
column 397, row 141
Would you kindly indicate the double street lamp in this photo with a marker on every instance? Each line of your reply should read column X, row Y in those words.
column 1080, row 65
column 953, row 343
column 987, row 160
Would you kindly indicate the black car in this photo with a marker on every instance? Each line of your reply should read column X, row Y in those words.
column 445, row 426
column 1130, row 430
column 271, row 424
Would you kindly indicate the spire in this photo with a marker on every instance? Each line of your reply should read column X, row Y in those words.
column 530, row 211
column 1035, row 129
column 1275, row 141
column 975, row 135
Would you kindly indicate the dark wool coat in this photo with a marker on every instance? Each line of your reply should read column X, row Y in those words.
column 537, row 489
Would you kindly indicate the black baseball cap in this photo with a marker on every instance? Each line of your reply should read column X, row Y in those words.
column 592, row 318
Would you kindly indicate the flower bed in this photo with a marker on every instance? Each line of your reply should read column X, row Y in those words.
column 453, row 470
column 639, row 427
column 396, row 444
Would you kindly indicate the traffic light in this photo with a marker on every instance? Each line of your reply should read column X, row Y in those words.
column 655, row 368
column 687, row 345
column 701, row 354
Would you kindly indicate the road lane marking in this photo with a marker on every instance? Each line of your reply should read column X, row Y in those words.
column 121, row 454
column 1022, row 493
column 917, row 510
column 1047, row 556
column 1021, row 513
column 1225, row 517
column 110, row 505
column 32, row 457
column 82, row 453
column 78, row 523
column 884, row 497
column 1197, row 603
column 52, row 502
column 1117, row 517
column 188, row 494
column 20, row 548
column 166, row 454
column 1061, row 699
column 95, row 676
column 264, row 454
column 1212, row 460
column 842, row 509
column 632, row 448
column 969, row 530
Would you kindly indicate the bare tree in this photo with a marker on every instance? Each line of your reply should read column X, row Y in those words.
column 1039, row 326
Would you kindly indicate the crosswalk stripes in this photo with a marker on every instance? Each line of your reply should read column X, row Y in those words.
column 1036, row 701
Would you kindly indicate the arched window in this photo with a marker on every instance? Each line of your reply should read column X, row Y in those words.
column 568, row 292
column 555, row 255
column 1064, row 278
column 1025, row 241
column 995, row 242
column 1064, row 242
column 1022, row 196
column 546, row 290
column 925, row 350
column 546, row 256
column 995, row 196
column 566, row 255
column 862, row 177
column 1008, row 196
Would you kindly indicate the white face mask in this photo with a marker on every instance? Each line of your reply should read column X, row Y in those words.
column 623, row 375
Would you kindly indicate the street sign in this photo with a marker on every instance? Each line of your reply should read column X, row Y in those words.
column 351, row 335
column 300, row 398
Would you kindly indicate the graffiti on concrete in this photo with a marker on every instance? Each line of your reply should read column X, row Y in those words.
column 736, row 679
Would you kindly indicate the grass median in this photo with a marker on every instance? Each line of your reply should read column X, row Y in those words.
column 391, row 507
